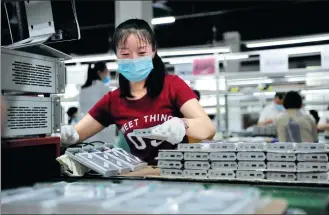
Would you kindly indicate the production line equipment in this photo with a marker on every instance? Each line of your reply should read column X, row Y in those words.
column 32, row 76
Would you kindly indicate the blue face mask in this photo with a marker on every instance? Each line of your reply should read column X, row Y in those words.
column 279, row 107
column 106, row 80
column 137, row 69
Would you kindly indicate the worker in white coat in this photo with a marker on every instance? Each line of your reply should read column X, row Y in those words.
column 96, row 86
column 272, row 111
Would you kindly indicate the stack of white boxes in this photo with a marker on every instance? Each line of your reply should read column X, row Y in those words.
column 306, row 162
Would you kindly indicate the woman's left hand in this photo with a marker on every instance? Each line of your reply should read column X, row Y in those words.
column 174, row 129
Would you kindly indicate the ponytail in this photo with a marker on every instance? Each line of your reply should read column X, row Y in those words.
column 155, row 80
column 93, row 73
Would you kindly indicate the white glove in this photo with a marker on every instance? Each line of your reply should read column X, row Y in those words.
column 68, row 163
column 69, row 135
column 173, row 129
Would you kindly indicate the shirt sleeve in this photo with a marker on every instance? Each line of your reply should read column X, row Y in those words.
column 263, row 115
column 101, row 111
column 181, row 92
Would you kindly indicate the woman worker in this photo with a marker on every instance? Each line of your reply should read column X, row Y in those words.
column 146, row 97
column 95, row 87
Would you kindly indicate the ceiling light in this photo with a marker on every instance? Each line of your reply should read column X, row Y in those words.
column 295, row 79
column 193, row 51
column 233, row 57
column 163, row 20
column 112, row 66
column 278, row 42
column 249, row 81
column 93, row 58
column 182, row 60
column 264, row 94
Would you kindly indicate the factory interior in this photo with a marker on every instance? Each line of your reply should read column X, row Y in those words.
column 164, row 107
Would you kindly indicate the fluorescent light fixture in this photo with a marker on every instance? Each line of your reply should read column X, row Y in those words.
column 193, row 51
column 237, row 82
column 112, row 66
column 163, row 20
column 278, row 42
column 92, row 58
column 233, row 57
column 294, row 78
column 182, row 60
column 264, row 94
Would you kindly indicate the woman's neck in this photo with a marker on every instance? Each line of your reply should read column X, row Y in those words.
column 137, row 87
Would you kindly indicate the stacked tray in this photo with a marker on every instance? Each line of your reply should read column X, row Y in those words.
column 135, row 197
column 106, row 161
column 305, row 162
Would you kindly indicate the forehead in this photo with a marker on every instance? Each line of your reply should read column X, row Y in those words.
column 134, row 40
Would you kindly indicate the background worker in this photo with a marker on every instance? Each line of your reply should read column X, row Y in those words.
column 95, row 87
column 272, row 111
column 294, row 125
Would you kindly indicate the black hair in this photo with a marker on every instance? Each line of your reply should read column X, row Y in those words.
column 292, row 100
column 155, row 81
column 197, row 93
column 315, row 114
column 93, row 73
column 70, row 112
column 280, row 95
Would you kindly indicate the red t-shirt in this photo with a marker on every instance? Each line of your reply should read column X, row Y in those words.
column 145, row 112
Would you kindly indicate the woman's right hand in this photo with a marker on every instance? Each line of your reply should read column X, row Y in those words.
column 69, row 135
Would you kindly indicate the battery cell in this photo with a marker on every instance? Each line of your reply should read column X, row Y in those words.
column 251, row 165
column 171, row 172
column 312, row 157
column 312, row 147
column 281, row 147
column 196, row 156
column 224, row 165
column 312, row 166
column 191, row 173
column 241, row 174
column 195, row 147
column 251, row 146
column 170, row 164
column 196, row 165
column 218, row 174
column 281, row 166
column 170, row 155
column 251, row 156
column 222, row 156
column 230, row 147
column 280, row 157
column 280, row 176
column 313, row 177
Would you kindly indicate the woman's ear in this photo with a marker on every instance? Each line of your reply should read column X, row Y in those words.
column 153, row 53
